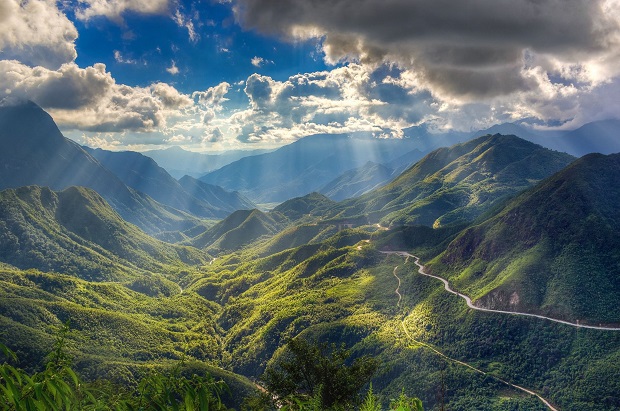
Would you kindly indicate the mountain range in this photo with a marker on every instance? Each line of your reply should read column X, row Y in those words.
column 188, row 194
column 514, row 225
column 305, row 166
column 458, row 183
column 179, row 162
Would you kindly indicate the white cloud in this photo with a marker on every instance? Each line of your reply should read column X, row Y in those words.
column 213, row 96
column 173, row 69
column 259, row 61
column 35, row 32
column 345, row 99
column 212, row 135
column 114, row 9
column 183, row 21
column 89, row 99
column 124, row 60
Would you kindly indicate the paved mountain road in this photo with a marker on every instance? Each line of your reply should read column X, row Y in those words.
column 474, row 307
column 436, row 351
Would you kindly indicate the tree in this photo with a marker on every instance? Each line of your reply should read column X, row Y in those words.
column 319, row 373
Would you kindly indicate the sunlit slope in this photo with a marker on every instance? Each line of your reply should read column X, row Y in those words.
column 34, row 152
column 116, row 335
column 342, row 290
column 553, row 249
column 458, row 183
column 76, row 232
column 239, row 229
column 358, row 181
column 307, row 208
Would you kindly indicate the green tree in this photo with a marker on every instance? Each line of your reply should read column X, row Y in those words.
column 320, row 374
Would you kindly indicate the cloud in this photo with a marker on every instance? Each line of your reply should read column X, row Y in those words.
column 183, row 21
column 213, row 96
column 36, row 33
column 173, row 69
column 124, row 60
column 89, row 99
column 259, row 61
column 464, row 51
column 346, row 99
column 114, row 9
column 69, row 87
column 213, row 135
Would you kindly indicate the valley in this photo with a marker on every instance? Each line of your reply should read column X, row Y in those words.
column 150, row 272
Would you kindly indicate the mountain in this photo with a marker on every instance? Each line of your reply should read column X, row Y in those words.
column 143, row 174
column 226, row 201
column 179, row 162
column 311, row 206
column 237, row 230
column 303, row 166
column 509, row 129
column 458, row 183
column 551, row 250
column 595, row 137
column 34, row 152
column 76, row 232
column 358, row 181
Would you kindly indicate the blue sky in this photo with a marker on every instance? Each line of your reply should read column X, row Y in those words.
column 216, row 75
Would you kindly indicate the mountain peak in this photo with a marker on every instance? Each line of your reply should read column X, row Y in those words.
column 25, row 123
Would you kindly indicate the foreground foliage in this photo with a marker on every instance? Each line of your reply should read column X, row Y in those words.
column 58, row 387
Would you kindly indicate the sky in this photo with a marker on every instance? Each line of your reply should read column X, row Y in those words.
column 215, row 75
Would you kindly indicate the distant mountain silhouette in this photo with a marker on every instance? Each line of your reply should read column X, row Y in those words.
column 34, row 152
column 304, row 166
column 143, row 174
column 179, row 162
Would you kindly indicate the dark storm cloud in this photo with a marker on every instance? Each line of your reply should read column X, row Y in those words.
column 471, row 48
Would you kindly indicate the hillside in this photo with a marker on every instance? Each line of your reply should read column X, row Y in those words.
column 358, row 181
column 341, row 290
column 216, row 196
column 553, row 249
column 310, row 207
column 142, row 174
column 76, row 232
column 458, row 183
column 237, row 230
column 303, row 166
column 34, row 152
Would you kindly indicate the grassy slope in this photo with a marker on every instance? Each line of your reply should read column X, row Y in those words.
column 75, row 232
column 336, row 292
column 458, row 183
column 553, row 249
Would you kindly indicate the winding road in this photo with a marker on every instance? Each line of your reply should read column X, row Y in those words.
column 436, row 351
column 397, row 291
column 473, row 307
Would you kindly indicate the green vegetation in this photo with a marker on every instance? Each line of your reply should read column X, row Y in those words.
column 58, row 387
column 457, row 184
column 553, row 249
column 274, row 281
column 75, row 232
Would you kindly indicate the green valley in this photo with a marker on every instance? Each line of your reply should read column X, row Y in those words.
column 280, row 304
